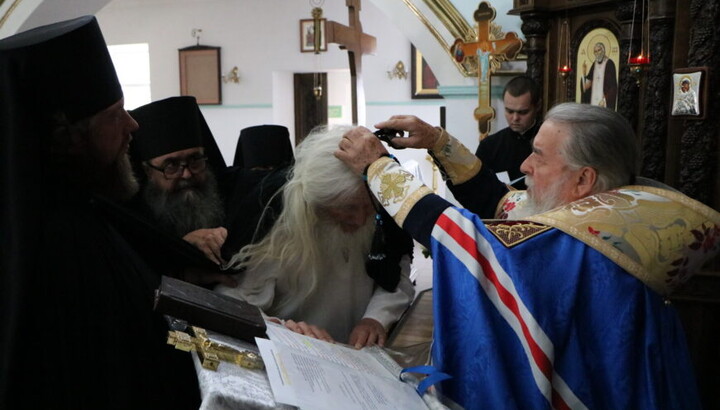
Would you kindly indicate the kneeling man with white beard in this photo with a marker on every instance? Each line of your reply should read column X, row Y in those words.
column 331, row 265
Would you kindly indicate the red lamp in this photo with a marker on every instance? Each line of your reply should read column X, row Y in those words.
column 640, row 59
column 564, row 68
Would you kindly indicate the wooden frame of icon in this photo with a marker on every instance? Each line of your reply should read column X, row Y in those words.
column 307, row 36
column 200, row 74
column 424, row 83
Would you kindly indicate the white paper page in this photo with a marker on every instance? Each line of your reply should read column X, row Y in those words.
column 504, row 177
column 318, row 384
column 280, row 380
column 342, row 355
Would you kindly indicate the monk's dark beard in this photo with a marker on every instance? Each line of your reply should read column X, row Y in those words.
column 190, row 207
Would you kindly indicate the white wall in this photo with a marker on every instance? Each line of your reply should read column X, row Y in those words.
column 261, row 37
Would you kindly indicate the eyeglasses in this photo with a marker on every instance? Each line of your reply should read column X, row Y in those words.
column 175, row 169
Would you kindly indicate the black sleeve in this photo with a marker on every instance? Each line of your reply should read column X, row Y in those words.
column 480, row 194
column 421, row 219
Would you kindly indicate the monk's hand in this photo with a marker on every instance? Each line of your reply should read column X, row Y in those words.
column 359, row 148
column 368, row 332
column 209, row 241
column 309, row 330
column 420, row 133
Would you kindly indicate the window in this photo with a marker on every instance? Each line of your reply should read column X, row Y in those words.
column 132, row 64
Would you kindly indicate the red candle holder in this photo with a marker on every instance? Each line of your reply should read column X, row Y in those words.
column 637, row 66
column 564, row 71
column 639, row 60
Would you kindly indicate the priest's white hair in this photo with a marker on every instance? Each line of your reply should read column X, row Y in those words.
column 294, row 245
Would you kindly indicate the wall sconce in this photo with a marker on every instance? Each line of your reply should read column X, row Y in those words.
column 232, row 76
column 196, row 33
column 398, row 72
column 639, row 63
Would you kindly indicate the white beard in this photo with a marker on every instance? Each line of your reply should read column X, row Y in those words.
column 537, row 205
column 340, row 247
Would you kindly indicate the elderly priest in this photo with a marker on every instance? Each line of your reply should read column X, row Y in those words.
column 565, row 308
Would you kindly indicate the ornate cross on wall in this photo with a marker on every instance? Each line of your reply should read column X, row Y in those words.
column 357, row 43
column 486, row 49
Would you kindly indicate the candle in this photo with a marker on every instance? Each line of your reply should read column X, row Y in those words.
column 640, row 60
column 565, row 69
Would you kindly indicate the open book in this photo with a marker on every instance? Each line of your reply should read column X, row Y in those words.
column 313, row 374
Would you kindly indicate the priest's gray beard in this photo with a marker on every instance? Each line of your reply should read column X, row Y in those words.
column 190, row 207
column 537, row 204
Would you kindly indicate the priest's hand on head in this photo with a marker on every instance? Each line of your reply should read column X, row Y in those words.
column 209, row 241
column 368, row 332
column 420, row 133
column 359, row 148
column 309, row 330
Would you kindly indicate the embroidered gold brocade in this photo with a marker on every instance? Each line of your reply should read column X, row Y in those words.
column 512, row 233
column 395, row 188
column 659, row 236
column 410, row 202
column 459, row 163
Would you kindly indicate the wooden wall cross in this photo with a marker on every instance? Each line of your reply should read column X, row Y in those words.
column 485, row 49
column 357, row 43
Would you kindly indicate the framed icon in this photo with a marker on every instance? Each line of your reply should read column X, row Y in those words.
column 597, row 69
column 689, row 93
column 200, row 74
column 424, row 83
column 307, row 35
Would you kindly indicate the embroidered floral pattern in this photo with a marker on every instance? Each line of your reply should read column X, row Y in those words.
column 706, row 240
column 512, row 233
column 659, row 236
column 393, row 187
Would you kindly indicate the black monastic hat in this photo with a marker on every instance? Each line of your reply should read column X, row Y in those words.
column 171, row 125
column 263, row 146
column 64, row 67
column 166, row 126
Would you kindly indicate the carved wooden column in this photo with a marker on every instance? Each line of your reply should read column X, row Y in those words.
column 628, row 90
column 535, row 28
column 658, row 89
column 698, row 152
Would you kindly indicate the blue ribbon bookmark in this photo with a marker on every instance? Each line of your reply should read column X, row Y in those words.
column 433, row 376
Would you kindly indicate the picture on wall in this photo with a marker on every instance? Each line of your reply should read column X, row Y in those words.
column 688, row 92
column 307, row 36
column 597, row 69
column 424, row 83
column 200, row 74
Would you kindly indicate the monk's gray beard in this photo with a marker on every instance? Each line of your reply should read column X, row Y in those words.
column 336, row 250
column 537, row 205
column 191, row 207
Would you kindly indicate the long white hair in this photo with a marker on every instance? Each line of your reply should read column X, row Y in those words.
column 317, row 179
